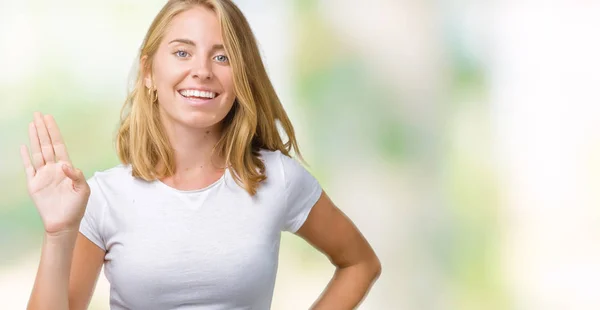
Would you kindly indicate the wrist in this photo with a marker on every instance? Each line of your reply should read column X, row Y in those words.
column 65, row 237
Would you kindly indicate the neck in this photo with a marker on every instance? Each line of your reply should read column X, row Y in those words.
column 193, row 149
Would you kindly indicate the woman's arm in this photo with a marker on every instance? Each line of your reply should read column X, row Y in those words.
column 67, row 273
column 50, row 290
column 357, row 266
column 60, row 194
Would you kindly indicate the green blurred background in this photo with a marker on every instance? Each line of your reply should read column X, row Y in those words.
column 460, row 136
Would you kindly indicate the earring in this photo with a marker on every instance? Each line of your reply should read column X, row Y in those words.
column 152, row 94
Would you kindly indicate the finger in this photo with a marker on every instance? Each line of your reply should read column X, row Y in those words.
column 45, row 143
column 36, row 151
column 60, row 149
column 29, row 170
column 75, row 175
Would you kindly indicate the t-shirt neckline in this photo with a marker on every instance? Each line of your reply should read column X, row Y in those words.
column 193, row 191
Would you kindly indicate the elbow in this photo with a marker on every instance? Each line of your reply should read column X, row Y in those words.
column 375, row 268
column 367, row 268
column 370, row 268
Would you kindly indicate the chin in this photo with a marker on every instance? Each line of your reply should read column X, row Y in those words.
column 200, row 121
column 197, row 118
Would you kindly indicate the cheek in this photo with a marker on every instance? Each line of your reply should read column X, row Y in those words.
column 167, row 74
column 226, row 78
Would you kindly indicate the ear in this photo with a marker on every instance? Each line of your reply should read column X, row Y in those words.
column 146, row 71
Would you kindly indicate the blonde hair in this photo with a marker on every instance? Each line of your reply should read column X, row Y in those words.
column 250, row 126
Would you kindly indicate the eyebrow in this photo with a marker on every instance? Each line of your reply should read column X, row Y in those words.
column 192, row 43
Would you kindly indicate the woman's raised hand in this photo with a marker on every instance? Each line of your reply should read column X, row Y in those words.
column 58, row 190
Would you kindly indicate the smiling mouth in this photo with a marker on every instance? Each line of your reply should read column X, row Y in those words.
column 197, row 94
column 196, row 98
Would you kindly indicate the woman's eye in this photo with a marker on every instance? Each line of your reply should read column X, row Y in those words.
column 221, row 58
column 181, row 54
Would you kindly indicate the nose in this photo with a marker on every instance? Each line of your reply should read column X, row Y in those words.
column 202, row 70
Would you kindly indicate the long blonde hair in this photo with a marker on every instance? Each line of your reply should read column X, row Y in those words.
column 250, row 126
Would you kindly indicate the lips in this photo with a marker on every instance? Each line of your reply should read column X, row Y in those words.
column 200, row 100
column 198, row 93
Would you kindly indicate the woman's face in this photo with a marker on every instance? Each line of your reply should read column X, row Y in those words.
column 191, row 72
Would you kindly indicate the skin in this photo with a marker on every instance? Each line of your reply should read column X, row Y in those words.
column 191, row 57
column 188, row 57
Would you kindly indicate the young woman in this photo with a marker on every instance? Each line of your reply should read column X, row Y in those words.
column 192, row 217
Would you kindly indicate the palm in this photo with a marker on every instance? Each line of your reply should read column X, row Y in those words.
column 55, row 197
column 60, row 200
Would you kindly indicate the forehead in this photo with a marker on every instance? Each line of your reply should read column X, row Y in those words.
column 199, row 24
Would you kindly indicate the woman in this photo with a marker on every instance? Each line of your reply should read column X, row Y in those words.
column 192, row 217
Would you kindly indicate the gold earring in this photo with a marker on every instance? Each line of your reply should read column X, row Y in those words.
column 152, row 94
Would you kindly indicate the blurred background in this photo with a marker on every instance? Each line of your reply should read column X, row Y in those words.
column 462, row 137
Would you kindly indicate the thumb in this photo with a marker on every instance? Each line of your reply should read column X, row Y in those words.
column 74, row 174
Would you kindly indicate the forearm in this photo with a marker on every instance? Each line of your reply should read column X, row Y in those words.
column 51, row 287
column 348, row 287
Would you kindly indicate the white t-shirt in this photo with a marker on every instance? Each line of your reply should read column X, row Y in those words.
column 214, row 248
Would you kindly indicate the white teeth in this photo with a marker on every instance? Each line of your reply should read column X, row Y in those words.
column 197, row 94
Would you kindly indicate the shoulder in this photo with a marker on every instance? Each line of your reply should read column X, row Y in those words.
column 289, row 168
column 117, row 177
column 269, row 156
column 277, row 162
column 275, row 157
column 116, row 173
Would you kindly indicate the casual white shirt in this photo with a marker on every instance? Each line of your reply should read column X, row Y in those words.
column 213, row 248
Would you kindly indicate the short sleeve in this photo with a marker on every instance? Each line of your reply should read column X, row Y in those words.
column 302, row 191
column 92, row 222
